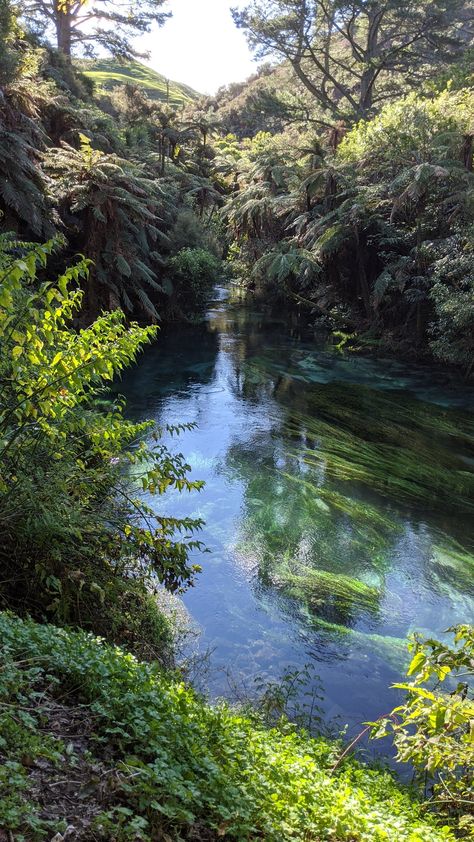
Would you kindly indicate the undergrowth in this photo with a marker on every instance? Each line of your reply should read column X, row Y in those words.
column 164, row 764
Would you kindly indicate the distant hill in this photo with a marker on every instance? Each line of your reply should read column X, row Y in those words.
column 109, row 73
column 255, row 105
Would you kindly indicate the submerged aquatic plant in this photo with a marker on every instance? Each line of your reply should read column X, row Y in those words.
column 325, row 500
column 322, row 590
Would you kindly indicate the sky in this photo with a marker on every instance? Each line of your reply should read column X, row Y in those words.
column 200, row 45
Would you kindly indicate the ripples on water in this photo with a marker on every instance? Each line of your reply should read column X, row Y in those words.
column 338, row 501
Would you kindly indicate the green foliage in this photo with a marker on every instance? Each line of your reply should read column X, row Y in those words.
column 108, row 74
column 78, row 542
column 118, row 210
column 265, row 175
column 410, row 130
column 180, row 767
column 375, row 236
column 434, row 728
column 194, row 271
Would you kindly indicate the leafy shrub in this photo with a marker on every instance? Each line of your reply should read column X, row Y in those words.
column 434, row 728
column 453, row 296
column 410, row 130
column 182, row 769
column 77, row 542
column 194, row 271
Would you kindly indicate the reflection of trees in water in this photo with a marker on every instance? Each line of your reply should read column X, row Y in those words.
column 389, row 443
column 318, row 516
column 182, row 357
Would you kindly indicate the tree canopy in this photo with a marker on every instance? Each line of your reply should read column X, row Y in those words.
column 79, row 25
column 353, row 56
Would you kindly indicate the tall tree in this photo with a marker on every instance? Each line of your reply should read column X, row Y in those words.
column 353, row 55
column 9, row 59
column 85, row 25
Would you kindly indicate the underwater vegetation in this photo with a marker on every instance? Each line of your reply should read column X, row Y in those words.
column 407, row 451
column 321, row 589
column 355, row 490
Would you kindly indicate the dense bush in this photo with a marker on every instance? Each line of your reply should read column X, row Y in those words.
column 116, row 175
column 177, row 768
column 375, row 235
column 77, row 544
column 194, row 271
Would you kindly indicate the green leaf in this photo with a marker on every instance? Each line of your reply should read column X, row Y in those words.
column 416, row 663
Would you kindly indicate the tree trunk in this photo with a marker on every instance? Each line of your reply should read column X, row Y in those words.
column 369, row 74
column 63, row 21
column 466, row 151
column 366, row 91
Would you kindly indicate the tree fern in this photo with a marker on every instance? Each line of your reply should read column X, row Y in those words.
column 23, row 185
column 117, row 211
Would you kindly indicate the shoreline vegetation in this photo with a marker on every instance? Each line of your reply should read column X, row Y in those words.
column 119, row 749
column 337, row 181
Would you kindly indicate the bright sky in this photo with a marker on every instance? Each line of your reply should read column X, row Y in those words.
column 200, row 45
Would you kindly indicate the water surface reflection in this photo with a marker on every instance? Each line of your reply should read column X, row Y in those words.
column 338, row 501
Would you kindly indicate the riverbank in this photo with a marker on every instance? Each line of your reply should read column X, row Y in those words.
column 116, row 749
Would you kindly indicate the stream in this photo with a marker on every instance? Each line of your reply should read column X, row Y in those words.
column 338, row 503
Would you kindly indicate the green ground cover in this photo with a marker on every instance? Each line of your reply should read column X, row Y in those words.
column 155, row 761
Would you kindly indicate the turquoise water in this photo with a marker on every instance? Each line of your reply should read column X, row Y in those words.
column 338, row 502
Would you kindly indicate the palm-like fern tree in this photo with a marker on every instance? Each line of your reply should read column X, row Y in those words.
column 119, row 217
column 23, row 185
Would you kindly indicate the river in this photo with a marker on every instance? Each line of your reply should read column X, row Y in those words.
column 338, row 503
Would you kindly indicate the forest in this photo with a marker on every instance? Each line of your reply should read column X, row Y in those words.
column 236, row 429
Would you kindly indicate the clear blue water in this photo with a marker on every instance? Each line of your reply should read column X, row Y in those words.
column 315, row 461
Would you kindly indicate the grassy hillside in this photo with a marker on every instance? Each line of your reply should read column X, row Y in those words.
column 108, row 73
column 124, row 751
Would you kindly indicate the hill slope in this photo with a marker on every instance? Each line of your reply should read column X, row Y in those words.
column 107, row 74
